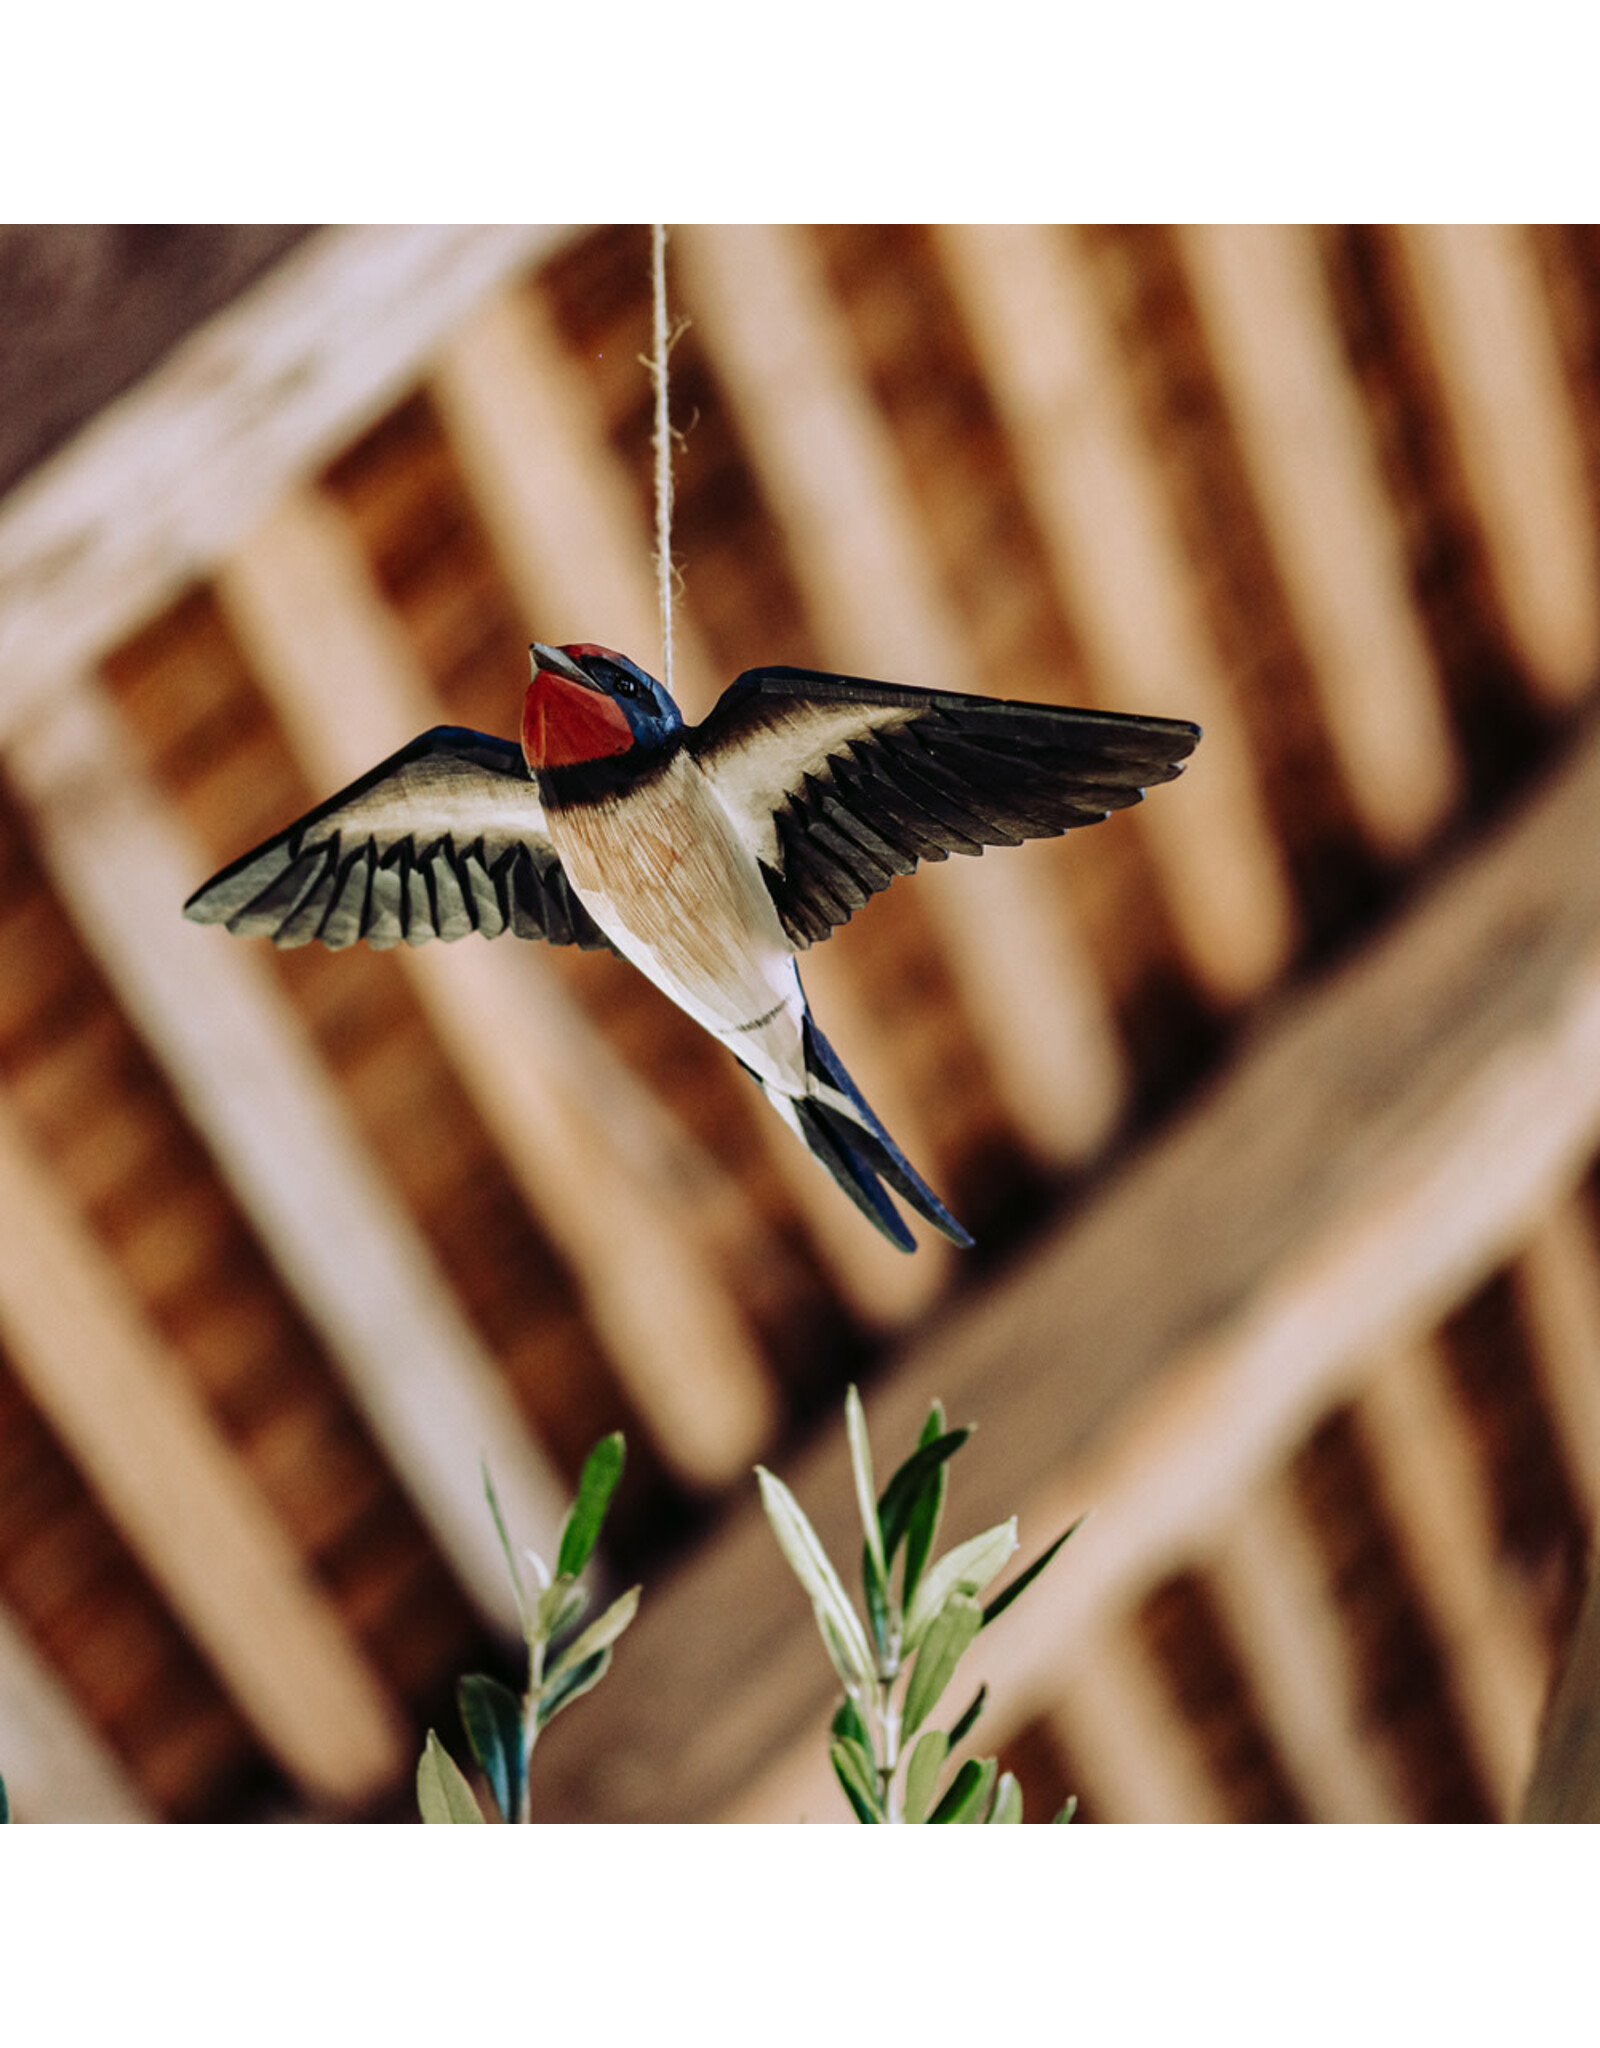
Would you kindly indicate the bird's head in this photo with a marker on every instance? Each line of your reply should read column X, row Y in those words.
column 586, row 703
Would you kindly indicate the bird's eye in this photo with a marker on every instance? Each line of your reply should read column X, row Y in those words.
column 614, row 677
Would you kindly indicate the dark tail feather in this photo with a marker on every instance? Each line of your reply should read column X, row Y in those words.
column 860, row 1154
column 828, row 1136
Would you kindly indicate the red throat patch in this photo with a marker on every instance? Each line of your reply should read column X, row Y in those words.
column 563, row 723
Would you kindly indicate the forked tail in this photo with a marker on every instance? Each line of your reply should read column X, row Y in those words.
column 844, row 1134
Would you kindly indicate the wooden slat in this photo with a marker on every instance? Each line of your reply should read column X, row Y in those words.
column 1117, row 1721
column 1377, row 1157
column 1558, row 1285
column 877, row 608
column 1270, row 318
column 349, row 690
column 1436, row 1495
column 525, row 427
column 1565, row 1785
column 1263, row 1572
column 1096, row 491
column 124, row 1410
column 175, row 474
column 1517, row 437
column 240, row 1065
column 525, row 424
column 801, row 1789
column 54, row 1764
column 92, row 307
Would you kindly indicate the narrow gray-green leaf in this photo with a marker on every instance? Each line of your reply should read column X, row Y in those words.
column 855, row 1425
column 848, row 1725
column 968, row 1790
column 864, row 1769
column 922, row 1518
column 922, row 1773
column 840, row 1655
column 975, row 1809
column 858, row 1806
column 571, row 1684
column 969, row 1719
column 947, row 1641
column 854, row 1764
column 596, row 1484
column 1003, row 1599
column 972, row 1564
column 879, row 1621
column 1007, row 1808
column 511, row 1556
column 491, row 1713
column 920, row 1472
column 840, row 1625
column 443, row 1794
column 1066, row 1812
column 858, row 1781
column 558, row 1608
column 600, row 1633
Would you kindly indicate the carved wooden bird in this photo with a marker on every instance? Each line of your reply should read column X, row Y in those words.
column 707, row 855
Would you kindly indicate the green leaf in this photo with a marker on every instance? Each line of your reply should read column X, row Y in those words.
column 859, row 1780
column 971, row 1564
column 510, row 1555
column 998, row 1605
column 443, row 1794
column 947, row 1641
column 5, row 1803
column 600, row 1634
column 597, row 1483
column 571, row 1684
column 968, row 1793
column 1007, row 1806
column 855, row 1424
column 920, row 1472
column 841, row 1628
column 558, row 1608
column 969, row 1720
column 841, row 1656
column 491, row 1713
column 976, row 1808
column 922, row 1772
column 922, row 1518
column 848, row 1725
column 1066, row 1812
column 877, row 1593
column 849, row 1731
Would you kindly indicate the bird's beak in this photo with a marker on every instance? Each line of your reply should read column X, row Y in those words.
column 559, row 663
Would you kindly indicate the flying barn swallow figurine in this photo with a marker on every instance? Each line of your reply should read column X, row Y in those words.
column 707, row 855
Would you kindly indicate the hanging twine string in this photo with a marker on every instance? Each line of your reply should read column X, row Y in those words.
column 663, row 447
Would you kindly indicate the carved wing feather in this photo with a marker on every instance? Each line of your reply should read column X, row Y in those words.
column 444, row 838
column 840, row 783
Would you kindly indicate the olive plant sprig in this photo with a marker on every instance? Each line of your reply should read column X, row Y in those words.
column 563, row 1663
column 896, row 1666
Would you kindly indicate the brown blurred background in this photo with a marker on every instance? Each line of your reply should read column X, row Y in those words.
column 1274, row 1104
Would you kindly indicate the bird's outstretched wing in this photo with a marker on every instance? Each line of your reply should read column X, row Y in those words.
column 840, row 783
column 444, row 838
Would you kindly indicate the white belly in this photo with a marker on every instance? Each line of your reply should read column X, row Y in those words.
column 667, row 879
